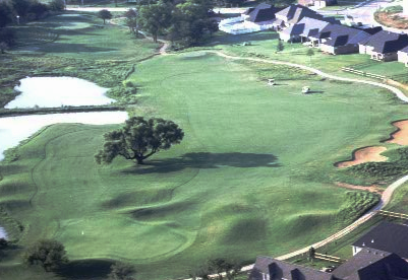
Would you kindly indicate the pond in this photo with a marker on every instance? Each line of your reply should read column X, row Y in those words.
column 15, row 129
column 57, row 91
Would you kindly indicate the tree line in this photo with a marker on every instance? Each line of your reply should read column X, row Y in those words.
column 17, row 11
column 183, row 22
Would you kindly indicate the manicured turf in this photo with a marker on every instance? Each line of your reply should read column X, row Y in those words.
column 254, row 174
column 80, row 35
column 264, row 44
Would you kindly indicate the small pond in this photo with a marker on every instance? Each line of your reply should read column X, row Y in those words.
column 57, row 91
column 15, row 129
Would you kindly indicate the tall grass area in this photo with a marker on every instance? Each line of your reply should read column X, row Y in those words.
column 253, row 176
column 380, row 172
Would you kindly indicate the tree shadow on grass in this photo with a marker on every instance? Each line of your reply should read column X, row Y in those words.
column 205, row 160
column 85, row 269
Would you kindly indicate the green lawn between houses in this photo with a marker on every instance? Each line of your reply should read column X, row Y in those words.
column 253, row 176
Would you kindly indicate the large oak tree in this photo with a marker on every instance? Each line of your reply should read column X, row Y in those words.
column 139, row 139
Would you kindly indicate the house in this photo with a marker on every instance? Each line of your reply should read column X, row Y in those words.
column 302, row 30
column 387, row 237
column 403, row 56
column 267, row 268
column 261, row 13
column 384, row 45
column 294, row 13
column 368, row 264
column 261, row 17
column 340, row 39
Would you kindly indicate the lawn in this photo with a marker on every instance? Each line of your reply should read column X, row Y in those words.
column 253, row 176
column 264, row 44
column 75, row 45
column 81, row 36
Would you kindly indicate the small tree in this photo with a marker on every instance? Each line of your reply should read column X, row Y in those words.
column 50, row 254
column 230, row 269
column 139, row 139
column 310, row 53
column 132, row 21
column 311, row 254
column 3, row 47
column 280, row 46
column 104, row 14
column 121, row 271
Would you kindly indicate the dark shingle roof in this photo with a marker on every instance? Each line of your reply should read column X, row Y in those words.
column 387, row 42
column 262, row 12
column 339, row 35
column 279, row 269
column 388, row 237
column 312, row 26
column 371, row 264
column 295, row 13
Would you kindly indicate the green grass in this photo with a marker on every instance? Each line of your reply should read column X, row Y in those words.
column 82, row 36
column 74, row 45
column 253, row 176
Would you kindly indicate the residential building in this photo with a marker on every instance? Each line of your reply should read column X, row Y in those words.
column 340, row 39
column 387, row 237
column 368, row 264
column 294, row 13
column 384, row 45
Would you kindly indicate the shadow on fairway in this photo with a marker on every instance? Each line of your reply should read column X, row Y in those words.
column 205, row 160
column 86, row 269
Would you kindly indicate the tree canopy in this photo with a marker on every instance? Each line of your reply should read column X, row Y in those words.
column 184, row 22
column 50, row 254
column 104, row 14
column 139, row 139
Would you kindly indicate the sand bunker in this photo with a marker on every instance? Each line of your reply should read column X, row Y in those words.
column 401, row 135
column 363, row 155
column 372, row 188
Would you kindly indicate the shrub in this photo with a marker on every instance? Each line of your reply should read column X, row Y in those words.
column 50, row 254
column 57, row 5
column 121, row 271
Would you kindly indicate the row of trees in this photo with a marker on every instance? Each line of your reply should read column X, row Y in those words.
column 14, row 11
column 183, row 22
column 52, row 256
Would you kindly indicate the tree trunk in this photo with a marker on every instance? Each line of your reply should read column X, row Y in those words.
column 104, row 21
column 140, row 160
column 155, row 37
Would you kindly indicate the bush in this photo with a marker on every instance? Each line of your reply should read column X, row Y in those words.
column 38, row 10
column 7, row 36
column 121, row 271
column 50, row 254
column 57, row 5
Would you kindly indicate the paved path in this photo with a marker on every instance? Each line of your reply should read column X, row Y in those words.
column 394, row 90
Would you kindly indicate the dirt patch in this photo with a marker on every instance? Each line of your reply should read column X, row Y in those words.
column 395, row 20
column 367, row 154
column 372, row 188
column 400, row 136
